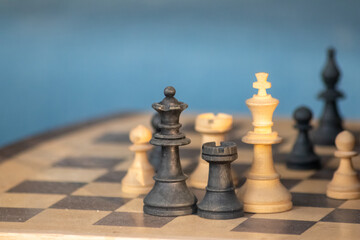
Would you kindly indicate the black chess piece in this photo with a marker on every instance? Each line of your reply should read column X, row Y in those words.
column 220, row 201
column 170, row 195
column 330, row 123
column 302, row 156
column 155, row 154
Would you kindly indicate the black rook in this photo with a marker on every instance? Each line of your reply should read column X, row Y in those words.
column 220, row 201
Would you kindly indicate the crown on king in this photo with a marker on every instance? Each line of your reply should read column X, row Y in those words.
column 262, row 84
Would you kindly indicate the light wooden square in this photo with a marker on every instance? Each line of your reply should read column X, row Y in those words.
column 311, row 186
column 332, row 231
column 69, row 174
column 103, row 190
column 192, row 225
column 29, row 200
column 351, row 204
column 66, row 218
column 298, row 213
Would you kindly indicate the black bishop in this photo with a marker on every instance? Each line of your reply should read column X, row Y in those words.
column 330, row 123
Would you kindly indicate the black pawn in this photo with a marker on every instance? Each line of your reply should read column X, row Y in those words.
column 330, row 123
column 155, row 154
column 170, row 196
column 220, row 201
column 302, row 156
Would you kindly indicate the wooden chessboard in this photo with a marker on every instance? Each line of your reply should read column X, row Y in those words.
column 66, row 185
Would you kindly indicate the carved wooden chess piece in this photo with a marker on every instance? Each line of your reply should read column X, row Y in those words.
column 139, row 178
column 170, row 195
column 212, row 128
column 345, row 183
column 263, row 191
column 302, row 156
column 220, row 201
column 330, row 123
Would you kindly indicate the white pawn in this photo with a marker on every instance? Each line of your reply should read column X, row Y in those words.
column 139, row 178
column 345, row 183
column 212, row 128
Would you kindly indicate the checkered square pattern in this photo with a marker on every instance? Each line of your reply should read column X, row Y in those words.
column 81, row 194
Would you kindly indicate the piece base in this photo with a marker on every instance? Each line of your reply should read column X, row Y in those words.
column 268, row 208
column 169, row 212
column 220, row 215
column 264, row 196
column 343, row 195
column 303, row 166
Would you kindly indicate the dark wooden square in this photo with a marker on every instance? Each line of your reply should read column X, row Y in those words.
column 274, row 226
column 46, row 187
column 88, row 162
column 113, row 176
column 17, row 214
column 315, row 200
column 343, row 216
column 90, row 203
column 133, row 220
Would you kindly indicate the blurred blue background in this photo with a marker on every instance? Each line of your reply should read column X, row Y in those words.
column 67, row 61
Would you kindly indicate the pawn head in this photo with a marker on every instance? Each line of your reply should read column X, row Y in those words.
column 345, row 141
column 140, row 134
column 302, row 115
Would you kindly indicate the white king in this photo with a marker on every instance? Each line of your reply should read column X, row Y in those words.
column 263, row 191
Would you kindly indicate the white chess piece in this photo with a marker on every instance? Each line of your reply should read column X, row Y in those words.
column 345, row 183
column 139, row 178
column 213, row 128
column 263, row 191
